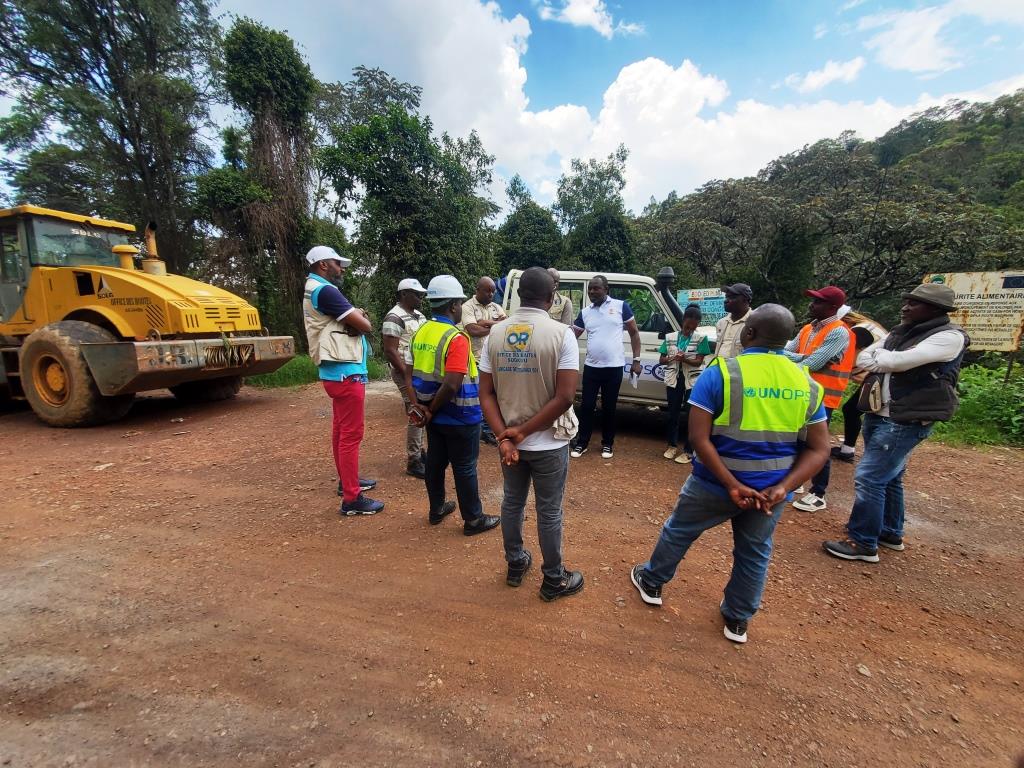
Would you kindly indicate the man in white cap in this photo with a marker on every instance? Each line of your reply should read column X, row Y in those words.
column 400, row 323
column 336, row 332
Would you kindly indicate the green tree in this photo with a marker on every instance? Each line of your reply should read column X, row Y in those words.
column 423, row 211
column 529, row 237
column 124, row 86
column 591, row 187
column 601, row 241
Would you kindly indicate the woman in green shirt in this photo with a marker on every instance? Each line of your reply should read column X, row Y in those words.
column 682, row 354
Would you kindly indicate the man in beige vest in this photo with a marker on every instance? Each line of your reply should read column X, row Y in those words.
column 561, row 307
column 529, row 366
column 479, row 313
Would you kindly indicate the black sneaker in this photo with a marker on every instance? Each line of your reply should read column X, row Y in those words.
column 446, row 509
column 650, row 595
column 481, row 524
column 839, row 455
column 416, row 469
column 364, row 485
column 735, row 630
column 518, row 569
column 891, row 542
column 850, row 550
column 363, row 505
column 489, row 438
column 570, row 583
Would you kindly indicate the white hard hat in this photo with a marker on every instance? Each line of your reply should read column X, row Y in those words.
column 321, row 252
column 444, row 287
column 411, row 284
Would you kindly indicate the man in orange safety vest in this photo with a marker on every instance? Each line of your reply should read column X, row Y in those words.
column 826, row 347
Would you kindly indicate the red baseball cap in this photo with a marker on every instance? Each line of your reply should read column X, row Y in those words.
column 830, row 293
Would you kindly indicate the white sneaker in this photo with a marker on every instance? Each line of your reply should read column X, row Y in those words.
column 670, row 452
column 799, row 490
column 810, row 503
column 578, row 451
column 606, row 452
column 683, row 458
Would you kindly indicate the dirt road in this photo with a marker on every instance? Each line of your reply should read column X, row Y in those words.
column 177, row 590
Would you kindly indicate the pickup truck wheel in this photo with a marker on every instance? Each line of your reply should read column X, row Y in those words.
column 57, row 381
column 208, row 390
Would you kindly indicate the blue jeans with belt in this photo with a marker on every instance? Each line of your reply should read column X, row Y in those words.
column 699, row 508
column 878, row 481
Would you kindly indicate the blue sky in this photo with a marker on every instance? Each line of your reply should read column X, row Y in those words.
column 696, row 90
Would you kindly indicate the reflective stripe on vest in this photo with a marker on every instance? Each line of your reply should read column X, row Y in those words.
column 836, row 374
column 793, row 395
column 429, row 348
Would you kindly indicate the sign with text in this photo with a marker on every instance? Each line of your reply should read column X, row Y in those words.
column 710, row 300
column 990, row 307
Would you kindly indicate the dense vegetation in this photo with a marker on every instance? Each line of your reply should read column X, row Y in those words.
column 111, row 109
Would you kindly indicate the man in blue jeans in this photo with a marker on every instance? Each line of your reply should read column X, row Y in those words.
column 529, row 366
column 747, row 415
column 911, row 385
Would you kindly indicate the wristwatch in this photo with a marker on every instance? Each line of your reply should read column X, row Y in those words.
column 636, row 359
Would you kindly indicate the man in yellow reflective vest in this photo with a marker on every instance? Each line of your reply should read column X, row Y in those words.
column 444, row 376
column 748, row 417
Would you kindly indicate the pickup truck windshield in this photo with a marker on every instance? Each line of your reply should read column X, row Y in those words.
column 69, row 244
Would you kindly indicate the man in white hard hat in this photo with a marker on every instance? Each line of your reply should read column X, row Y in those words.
column 336, row 332
column 400, row 323
column 442, row 371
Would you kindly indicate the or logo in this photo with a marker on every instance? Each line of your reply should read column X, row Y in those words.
column 517, row 337
column 749, row 392
column 938, row 279
column 104, row 291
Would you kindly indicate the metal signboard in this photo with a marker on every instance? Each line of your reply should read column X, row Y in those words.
column 710, row 300
column 990, row 307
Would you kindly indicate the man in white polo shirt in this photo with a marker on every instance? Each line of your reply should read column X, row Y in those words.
column 603, row 322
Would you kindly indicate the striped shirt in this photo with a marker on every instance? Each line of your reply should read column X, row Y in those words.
column 833, row 346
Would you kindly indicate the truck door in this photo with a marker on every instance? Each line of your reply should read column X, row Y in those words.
column 12, row 271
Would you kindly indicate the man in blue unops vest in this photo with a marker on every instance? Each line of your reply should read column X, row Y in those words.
column 745, row 425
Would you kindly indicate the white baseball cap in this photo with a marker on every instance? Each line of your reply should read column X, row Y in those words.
column 411, row 284
column 321, row 252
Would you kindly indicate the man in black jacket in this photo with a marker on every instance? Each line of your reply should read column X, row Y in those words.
column 912, row 384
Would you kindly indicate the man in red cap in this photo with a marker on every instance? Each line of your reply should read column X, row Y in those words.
column 826, row 347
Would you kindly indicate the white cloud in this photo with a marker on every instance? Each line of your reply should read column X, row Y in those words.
column 833, row 71
column 849, row 6
column 820, row 30
column 587, row 13
column 993, row 40
column 913, row 40
column 910, row 40
column 672, row 116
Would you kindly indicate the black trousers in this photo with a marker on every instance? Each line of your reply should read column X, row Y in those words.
column 851, row 419
column 606, row 381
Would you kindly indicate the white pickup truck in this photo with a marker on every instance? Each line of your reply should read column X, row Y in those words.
column 656, row 312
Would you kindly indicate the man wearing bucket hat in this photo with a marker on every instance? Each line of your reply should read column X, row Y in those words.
column 400, row 323
column 336, row 332
column 826, row 347
column 442, row 371
column 912, row 384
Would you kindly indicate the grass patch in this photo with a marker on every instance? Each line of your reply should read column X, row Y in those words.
column 990, row 412
column 302, row 370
